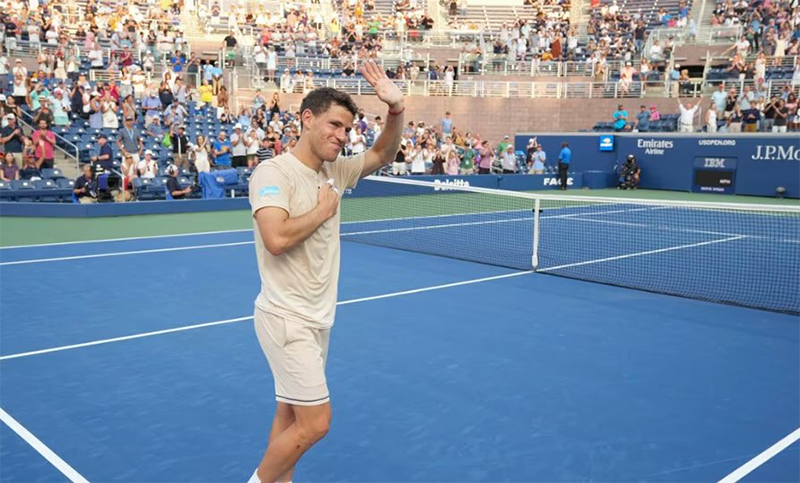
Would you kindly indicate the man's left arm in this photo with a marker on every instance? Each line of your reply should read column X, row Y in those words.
column 385, row 148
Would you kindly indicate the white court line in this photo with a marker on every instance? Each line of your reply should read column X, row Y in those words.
column 367, row 232
column 762, row 458
column 107, row 240
column 117, row 254
column 42, row 449
column 639, row 254
column 240, row 319
column 221, row 232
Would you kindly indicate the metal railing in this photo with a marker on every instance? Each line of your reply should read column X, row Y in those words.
column 71, row 147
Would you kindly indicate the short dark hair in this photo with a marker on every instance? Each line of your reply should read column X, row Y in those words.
column 320, row 99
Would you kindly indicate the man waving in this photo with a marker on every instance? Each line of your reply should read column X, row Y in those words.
column 295, row 204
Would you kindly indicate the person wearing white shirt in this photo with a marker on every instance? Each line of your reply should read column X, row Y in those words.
column 711, row 118
column 686, row 121
column 148, row 167
column 417, row 157
column 509, row 160
column 537, row 161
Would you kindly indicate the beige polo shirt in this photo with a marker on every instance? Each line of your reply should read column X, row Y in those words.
column 300, row 284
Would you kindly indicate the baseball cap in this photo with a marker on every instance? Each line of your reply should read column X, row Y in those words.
column 237, row 126
column 148, row 152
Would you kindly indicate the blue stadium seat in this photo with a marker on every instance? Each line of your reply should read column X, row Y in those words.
column 20, row 187
column 54, row 174
column 47, row 184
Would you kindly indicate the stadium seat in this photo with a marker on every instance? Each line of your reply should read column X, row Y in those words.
column 55, row 194
column 54, row 174
column 20, row 187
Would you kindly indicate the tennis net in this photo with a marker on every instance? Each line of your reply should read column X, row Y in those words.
column 733, row 253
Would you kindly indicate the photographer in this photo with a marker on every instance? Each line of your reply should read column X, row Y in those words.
column 173, row 186
column 85, row 188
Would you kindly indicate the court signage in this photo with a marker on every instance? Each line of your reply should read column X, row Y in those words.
column 656, row 147
column 606, row 143
column 554, row 181
column 771, row 152
column 448, row 184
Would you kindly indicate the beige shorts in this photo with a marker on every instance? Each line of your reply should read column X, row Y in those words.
column 296, row 354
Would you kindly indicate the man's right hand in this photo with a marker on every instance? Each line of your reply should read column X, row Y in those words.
column 327, row 201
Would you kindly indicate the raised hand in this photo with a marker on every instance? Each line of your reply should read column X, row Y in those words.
column 385, row 89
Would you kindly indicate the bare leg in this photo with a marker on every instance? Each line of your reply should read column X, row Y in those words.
column 284, row 417
column 311, row 425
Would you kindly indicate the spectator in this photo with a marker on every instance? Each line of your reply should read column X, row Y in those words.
column 620, row 117
column 200, row 153
column 453, row 163
column 105, row 156
column 45, row 141
column 781, row 116
column 447, row 124
column 148, row 167
column 509, row 160
column 84, row 187
column 44, row 114
column 654, row 114
column 239, row 147
column 10, row 171
column 468, row 161
column 751, row 117
column 61, row 108
column 253, row 144
column 538, row 161
column 643, row 119
column 399, row 164
column 711, row 118
column 180, row 146
column 129, row 141
column 30, row 171
column 266, row 150
column 720, row 97
column 486, row 158
column 11, row 137
column 686, row 120
column 222, row 151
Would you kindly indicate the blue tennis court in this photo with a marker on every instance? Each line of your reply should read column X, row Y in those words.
column 136, row 360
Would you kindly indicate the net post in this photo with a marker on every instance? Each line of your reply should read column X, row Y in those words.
column 535, row 255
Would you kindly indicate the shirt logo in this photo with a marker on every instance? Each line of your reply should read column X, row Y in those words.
column 268, row 190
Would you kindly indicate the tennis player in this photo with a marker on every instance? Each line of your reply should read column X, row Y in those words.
column 295, row 204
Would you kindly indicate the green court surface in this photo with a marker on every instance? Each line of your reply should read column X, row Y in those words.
column 29, row 231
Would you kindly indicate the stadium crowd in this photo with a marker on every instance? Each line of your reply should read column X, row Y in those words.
column 145, row 118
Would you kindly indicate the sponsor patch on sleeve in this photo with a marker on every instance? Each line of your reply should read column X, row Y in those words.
column 268, row 191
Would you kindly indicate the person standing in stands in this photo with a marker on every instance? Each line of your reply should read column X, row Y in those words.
column 11, row 137
column 105, row 156
column 222, row 151
column 45, row 141
column 686, row 121
column 129, row 141
column 180, row 146
column 564, row 160
column 295, row 204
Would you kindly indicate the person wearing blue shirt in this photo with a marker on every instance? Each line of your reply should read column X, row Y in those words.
column 222, row 151
column 564, row 158
column 177, row 62
column 620, row 118
column 643, row 119
column 105, row 156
